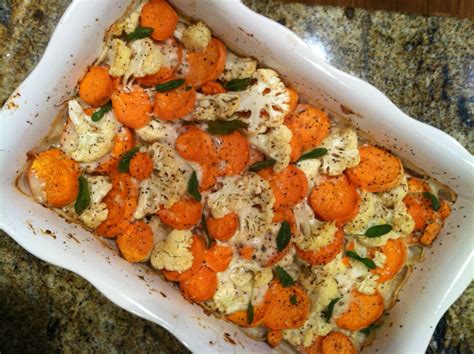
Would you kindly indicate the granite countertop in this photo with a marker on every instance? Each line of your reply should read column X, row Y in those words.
column 424, row 64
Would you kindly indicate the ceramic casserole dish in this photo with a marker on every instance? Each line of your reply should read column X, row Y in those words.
column 77, row 41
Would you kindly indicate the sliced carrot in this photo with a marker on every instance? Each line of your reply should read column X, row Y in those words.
column 233, row 153
column 160, row 16
column 310, row 126
column 295, row 148
column 276, row 256
column 337, row 343
column 136, row 242
column 212, row 88
column 132, row 109
column 123, row 142
column 324, row 254
column 281, row 215
column 182, row 215
column 430, row 233
column 246, row 252
column 224, row 228
column 53, row 177
column 287, row 307
column 96, row 86
column 378, row 170
column 315, row 347
column 209, row 175
column 121, row 202
column 396, row 254
column 289, row 186
column 417, row 185
column 218, row 257
column 200, row 286
column 207, row 64
column 335, row 199
column 89, row 111
column 419, row 209
column 346, row 260
column 362, row 312
column 274, row 337
column 445, row 210
column 196, row 145
column 198, row 249
column 294, row 97
column 141, row 166
column 240, row 317
column 174, row 104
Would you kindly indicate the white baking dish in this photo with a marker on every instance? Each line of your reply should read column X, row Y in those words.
column 26, row 117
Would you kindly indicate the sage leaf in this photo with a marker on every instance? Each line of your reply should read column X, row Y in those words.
column 124, row 164
column 83, row 197
column 318, row 152
column 99, row 114
column 285, row 279
column 367, row 261
column 435, row 205
column 169, row 85
column 327, row 312
column 139, row 33
column 238, row 84
column 284, row 235
column 250, row 313
column 193, row 187
column 257, row 166
column 370, row 328
column 378, row 230
column 224, row 127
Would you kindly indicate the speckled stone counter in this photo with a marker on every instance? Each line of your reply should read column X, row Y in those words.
column 424, row 64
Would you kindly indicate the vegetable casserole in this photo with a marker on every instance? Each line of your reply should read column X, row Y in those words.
column 264, row 209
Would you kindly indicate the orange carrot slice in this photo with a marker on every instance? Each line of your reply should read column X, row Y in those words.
column 363, row 311
column 200, row 286
column 274, row 337
column 160, row 16
column 121, row 202
column 310, row 126
column 53, row 178
column 335, row 199
column 233, row 153
column 132, row 109
column 123, row 142
column 314, row 348
column 212, row 88
column 246, row 252
column 96, row 86
column 420, row 210
column 218, row 257
column 294, row 97
column 240, row 317
column 224, row 228
column 416, row 185
column 141, row 166
column 337, row 343
column 324, row 254
column 136, row 242
column 182, row 215
column 174, row 104
column 295, row 148
column 396, row 254
column 378, row 170
column 207, row 64
column 289, row 186
column 282, row 311
column 198, row 249
column 196, row 145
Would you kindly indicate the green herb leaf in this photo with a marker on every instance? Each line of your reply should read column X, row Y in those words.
column 124, row 164
column 367, row 261
column 369, row 329
column 206, row 232
column 435, row 205
column 193, row 187
column 327, row 312
column 99, row 114
column 238, row 84
column 169, row 85
column 224, row 127
column 378, row 230
column 285, row 279
column 257, row 166
column 284, row 235
column 139, row 33
column 293, row 299
column 83, row 197
column 249, row 313
column 318, row 152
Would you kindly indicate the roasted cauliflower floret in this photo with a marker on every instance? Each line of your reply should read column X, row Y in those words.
column 276, row 145
column 318, row 235
column 342, row 151
column 97, row 211
column 158, row 130
column 119, row 57
column 128, row 24
column 266, row 102
column 212, row 107
column 85, row 140
column 394, row 195
column 196, row 36
column 242, row 282
column 402, row 220
column 173, row 253
column 237, row 67
column 168, row 182
column 251, row 197
column 310, row 168
column 146, row 58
